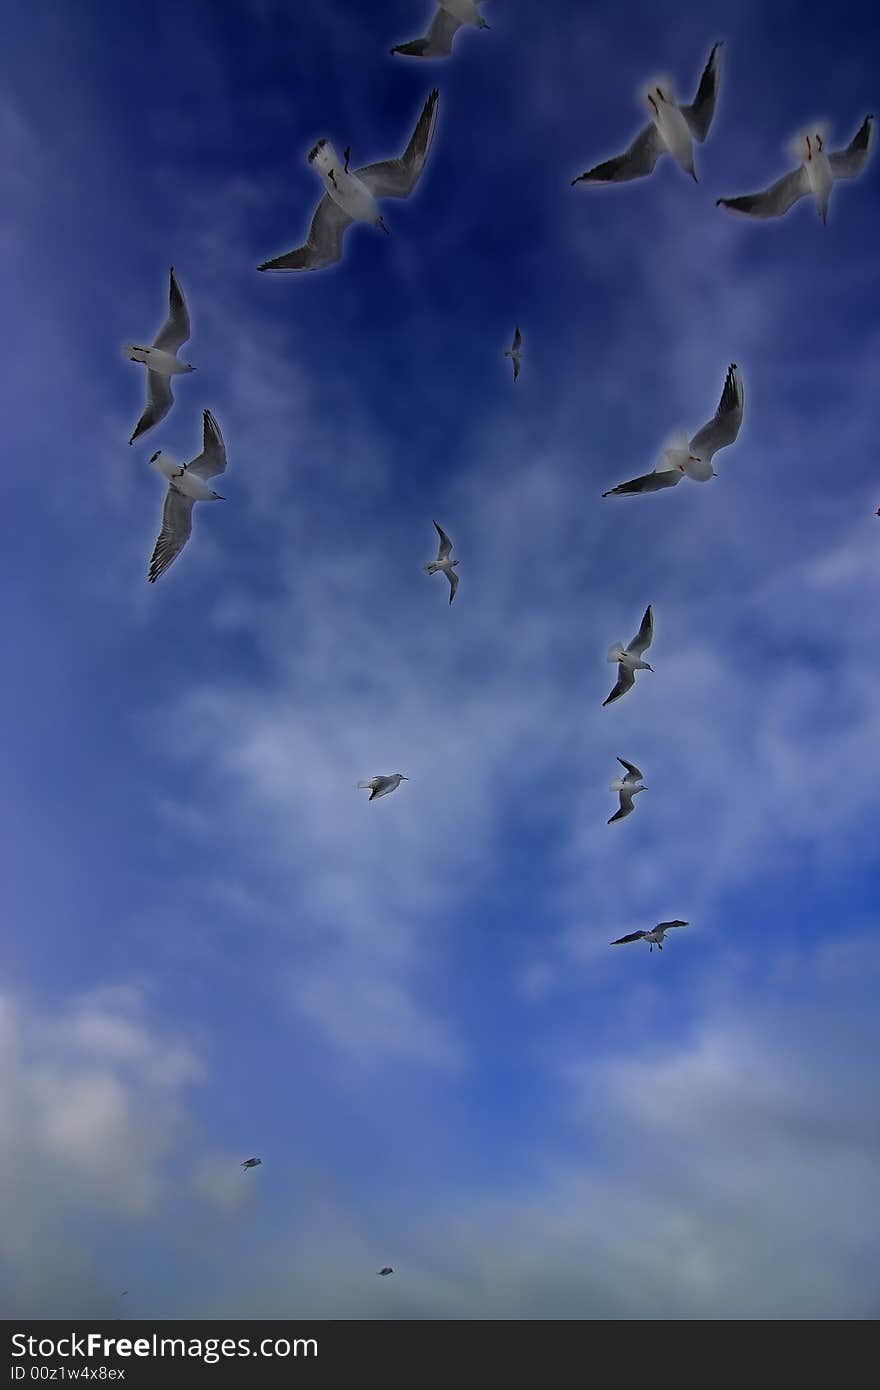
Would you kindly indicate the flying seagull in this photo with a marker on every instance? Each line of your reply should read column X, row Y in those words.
column 251, row 1163
column 629, row 659
column 514, row 352
column 816, row 173
column 161, row 360
column 352, row 196
column 443, row 564
column 673, row 129
column 386, row 1269
column 692, row 458
column 381, row 786
column 437, row 43
column 186, row 485
column 653, row 937
column 628, row 788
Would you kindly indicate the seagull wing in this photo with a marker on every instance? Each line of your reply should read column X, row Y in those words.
column 633, row 936
column 667, row 926
column 176, row 531
column 445, row 543
column 775, row 200
column 626, row 679
column 160, row 399
column 324, row 243
column 437, row 43
column 396, row 178
column 634, row 163
column 212, row 459
column 724, row 426
column 626, row 805
column 517, row 340
column 631, row 769
column 175, row 330
column 452, row 576
column 648, row 482
column 644, row 637
column 699, row 114
column 845, row 164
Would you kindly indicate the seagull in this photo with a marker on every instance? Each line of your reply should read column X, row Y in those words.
column 186, row 485
column 653, row 937
column 628, row 788
column 673, row 128
column 351, row 196
column 161, row 360
column 443, row 563
column 437, row 43
column 251, row 1163
column 386, row 1269
column 515, row 352
column 629, row 658
column 381, row 786
column 817, row 173
column 692, row 458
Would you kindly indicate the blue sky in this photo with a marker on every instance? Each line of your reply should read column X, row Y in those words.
column 213, row 946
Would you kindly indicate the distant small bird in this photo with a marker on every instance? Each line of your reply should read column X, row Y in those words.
column 628, row 788
column 816, row 174
column 437, row 43
column 386, row 1269
column 654, row 937
column 161, row 360
column 629, row 658
column 186, row 485
column 251, row 1163
column 443, row 564
column 673, row 128
column 351, row 196
column 514, row 352
column 692, row 458
column 381, row 786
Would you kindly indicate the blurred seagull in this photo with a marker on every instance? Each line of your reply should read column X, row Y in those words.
column 673, row 129
column 386, row 1269
column 161, row 360
column 514, row 352
column 351, row 196
column 381, row 786
column 653, row 937
column 437, row 43
column 629, row 658
column 443, row 563
column 251, row 1163
column 628, row 788
column 693, row 458
column 186, row 485
column 817, row 173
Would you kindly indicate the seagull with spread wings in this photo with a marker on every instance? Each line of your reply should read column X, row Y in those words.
column 443, row 564
column 352, row 195
column 629, row 659
column 187, row 484
column 654, row 937
column 161, row 360
column 628, row 787
column 514, row 352
column 817, row 173
column 672, row 129
column 382, row 785
column 692, row 458
column 448, row 19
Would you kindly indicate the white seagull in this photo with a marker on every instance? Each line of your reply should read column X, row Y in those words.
column 381, row 786
column 251, row 1163
column 628, row 788
column 161, row 360
column 817, row 173
column 352, row 196
column 654, row 937
column 514, row 352
column 629, row 659
column 186, row 485
column 437, row 43
column 692, row 458
column 443, row 564
column 673, row 129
